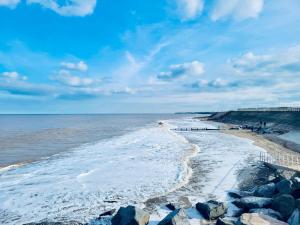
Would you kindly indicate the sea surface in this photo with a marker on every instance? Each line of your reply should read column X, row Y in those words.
column 73, row 167
column 25, row 138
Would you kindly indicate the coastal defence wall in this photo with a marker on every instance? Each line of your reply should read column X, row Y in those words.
column 283, row 120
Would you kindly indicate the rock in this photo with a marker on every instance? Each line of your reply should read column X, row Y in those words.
column 177, row 217
column 296, row 182
column 268, row 212
column 258, row 219
column 285, row 204
column 226, row 221
column 267, row 190
column 107, row 213
column 172, row 206
column 239, row 194
column 211, row 209
column 294, row 218
column 130, row 216
column 248, row 203
column 296, row 193
column 234, row 211
column 284, row 187
column 297, row 204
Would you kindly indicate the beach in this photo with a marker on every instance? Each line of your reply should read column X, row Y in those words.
column 148, row 167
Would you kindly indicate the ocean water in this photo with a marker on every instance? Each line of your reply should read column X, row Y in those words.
column 31, row 137
column 140, row 160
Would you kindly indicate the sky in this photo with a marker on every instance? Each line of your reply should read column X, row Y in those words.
column 162, row 56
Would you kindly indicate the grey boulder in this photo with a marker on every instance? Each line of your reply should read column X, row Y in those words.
column 130, row 216
column 177, row 217
column 258, row 219
column 267, row 190
column 268, row 212
column 211, row 209
column 285, row 204
column 284, row 187
column 226, row 221
column 239, row 194
column 294, row 218
column 248, row 203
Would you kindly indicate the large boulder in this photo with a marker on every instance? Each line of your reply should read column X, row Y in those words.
column 267, row 190
column 226, row 221
column 234, row 211
column 130, row 216
column 239, row 194
column 294, row 218
column 285, row 204
column 268, row 212
column 258, row 219
column 177, row 217
column 211, row 209
column 297, row 204
column 248, row 203
column 284, row 187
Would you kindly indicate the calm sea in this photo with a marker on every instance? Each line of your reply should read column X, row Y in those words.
column 25, row 138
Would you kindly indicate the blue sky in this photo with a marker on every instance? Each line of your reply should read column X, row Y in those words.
column 103, row 56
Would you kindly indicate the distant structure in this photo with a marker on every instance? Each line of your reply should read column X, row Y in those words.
column 271, row 109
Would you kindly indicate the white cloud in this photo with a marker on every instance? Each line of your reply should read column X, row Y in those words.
column 238, row 9
column 66, row 78
column 183, row 71
column 189, row 9
column 12, row 76
column 286, row 62
column 9, row 3
column 70, row 8
column 80, row 66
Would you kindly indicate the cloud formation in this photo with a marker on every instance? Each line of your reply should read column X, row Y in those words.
column 69, row 8
column 12, row 76
column 237, row 9
column 286, row 61
column 66, row 78
column 189, row 9
column 182, row 71
column 9, row 3
column 80, row 66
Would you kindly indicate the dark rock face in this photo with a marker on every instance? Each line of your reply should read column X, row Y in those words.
column 248, row 203
column 297, row 203
column 239, row 194
column 296, row 194
column 294, row 218
column 177, row 217
column 211, row 209
column 284, row 187
column 130, row 216
column 285, row 204
column 225, row 221
column 268, row 212
column 266, row 190
column 258, row 219
column 171, row 206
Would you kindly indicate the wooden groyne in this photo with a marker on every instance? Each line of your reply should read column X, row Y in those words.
column 281, row 161
column 202, row 129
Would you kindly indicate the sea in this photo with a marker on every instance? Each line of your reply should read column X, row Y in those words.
column 73, row 167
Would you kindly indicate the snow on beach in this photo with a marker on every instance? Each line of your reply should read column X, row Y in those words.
column 124, row 170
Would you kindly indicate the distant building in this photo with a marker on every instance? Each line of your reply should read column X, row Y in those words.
column 271, row 109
